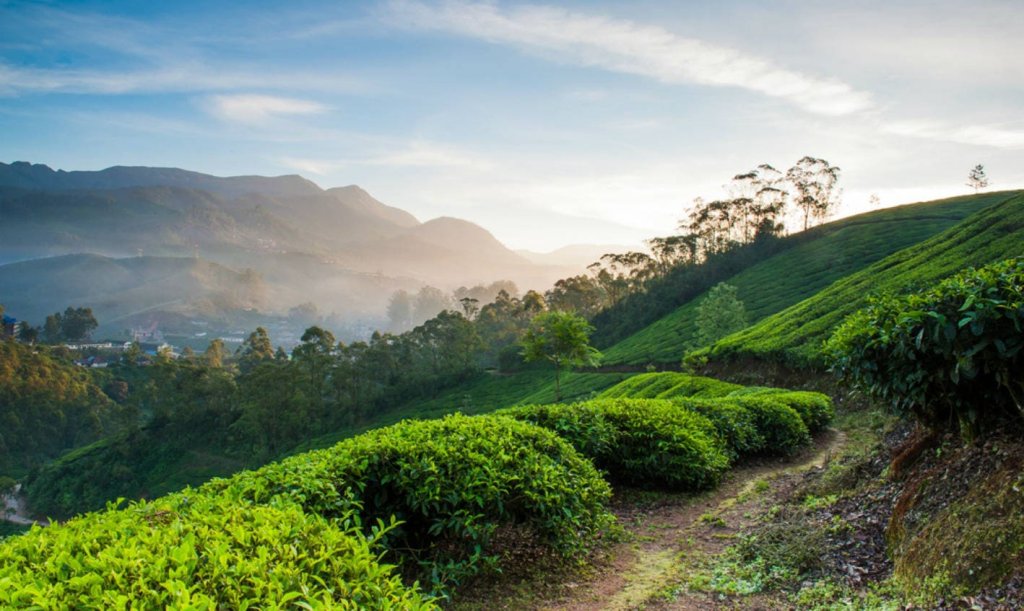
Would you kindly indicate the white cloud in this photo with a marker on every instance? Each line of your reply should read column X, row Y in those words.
column 198, row 77
column 253, row 108
column 995, row 136
column 624, row 46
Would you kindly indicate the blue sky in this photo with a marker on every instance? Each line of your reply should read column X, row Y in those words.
column 547, row 123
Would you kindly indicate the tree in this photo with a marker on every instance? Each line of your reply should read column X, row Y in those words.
column 215, row 354
column 976, row 178
column 51, row 329
column 719, row 314
column 400, row 310
column 814, row 188
column 77, row 324
column 562, row 338
column 255, row 349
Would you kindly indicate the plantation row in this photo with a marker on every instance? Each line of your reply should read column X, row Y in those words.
column 417, row 502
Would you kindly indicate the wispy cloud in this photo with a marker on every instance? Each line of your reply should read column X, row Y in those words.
column 184, row 78
column 253, row 108
column 997, row 136
column 627, row 47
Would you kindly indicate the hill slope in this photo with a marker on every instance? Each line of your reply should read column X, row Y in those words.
column 115, row 288
column 819, row 258
column 795, row 334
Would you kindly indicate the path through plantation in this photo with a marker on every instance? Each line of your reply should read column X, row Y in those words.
column 671, row 534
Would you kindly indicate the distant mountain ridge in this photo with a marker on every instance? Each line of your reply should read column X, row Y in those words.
column 339, row 246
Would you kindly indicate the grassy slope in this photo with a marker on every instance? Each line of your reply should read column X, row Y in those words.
column 837, row 250
column 484, row 393
column 795, row 334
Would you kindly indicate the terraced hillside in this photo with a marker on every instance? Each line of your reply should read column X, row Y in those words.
column 794, row 335
column 827, row 254
column 484, row 393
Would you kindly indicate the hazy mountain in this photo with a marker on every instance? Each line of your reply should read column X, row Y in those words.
column 118, row 288
column 339, row 248
column 575, row 255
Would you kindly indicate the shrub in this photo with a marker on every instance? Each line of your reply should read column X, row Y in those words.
column 951, row 355
column 193, row 551
column 783, row 430
column 655, row 442
column 451, row 483
column 814, row 408
column 587, row 430
column 668, row 385
column 736, row 425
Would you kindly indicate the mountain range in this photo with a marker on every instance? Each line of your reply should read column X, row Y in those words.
column 129, row 239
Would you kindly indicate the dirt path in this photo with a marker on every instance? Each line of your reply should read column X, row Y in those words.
column 674, row 532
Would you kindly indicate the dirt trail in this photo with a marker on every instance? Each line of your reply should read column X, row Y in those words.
column 676, row 531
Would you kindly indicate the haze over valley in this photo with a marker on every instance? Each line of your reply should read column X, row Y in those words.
column 144, row 246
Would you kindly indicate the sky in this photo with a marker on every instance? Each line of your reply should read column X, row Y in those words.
column 547, row 123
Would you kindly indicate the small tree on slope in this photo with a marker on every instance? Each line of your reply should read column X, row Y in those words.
column 562, row 338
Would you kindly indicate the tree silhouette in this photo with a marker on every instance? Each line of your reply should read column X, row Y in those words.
column 976, row 178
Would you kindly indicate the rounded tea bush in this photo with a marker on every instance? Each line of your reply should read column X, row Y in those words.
column 736, row 425
column 198, row 552
column 783, row 430
column 653, row 442
column 450, row 484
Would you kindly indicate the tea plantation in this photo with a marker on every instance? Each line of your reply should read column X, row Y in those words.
column 402, row 515
column 795, row 335
column 819, row 258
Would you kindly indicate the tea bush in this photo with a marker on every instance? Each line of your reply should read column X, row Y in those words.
column 814, row 408
column 736, row 426
column 450, row 483
column 783, row 430
column 668, row 385
column 655, row 443
column 950, row 355
column 199, row 552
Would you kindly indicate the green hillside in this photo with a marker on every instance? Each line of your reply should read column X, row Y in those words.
column 795, row 334
column 484, row 393
column 833, row 251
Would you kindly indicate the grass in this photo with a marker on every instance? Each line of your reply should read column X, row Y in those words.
column 795, row 335
column 821, row 257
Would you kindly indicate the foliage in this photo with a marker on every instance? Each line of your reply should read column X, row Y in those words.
column 948, row 355
column 74, row 325
column 719, row 314
column 669, row 385
column 639, row 441
column 795, row 335
column 200, row 552
column 563, row 338
column 734, row 424
column 451, row 483
column 47, row 406
column 771, row 276
column 814, row 408
column 783, row 430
